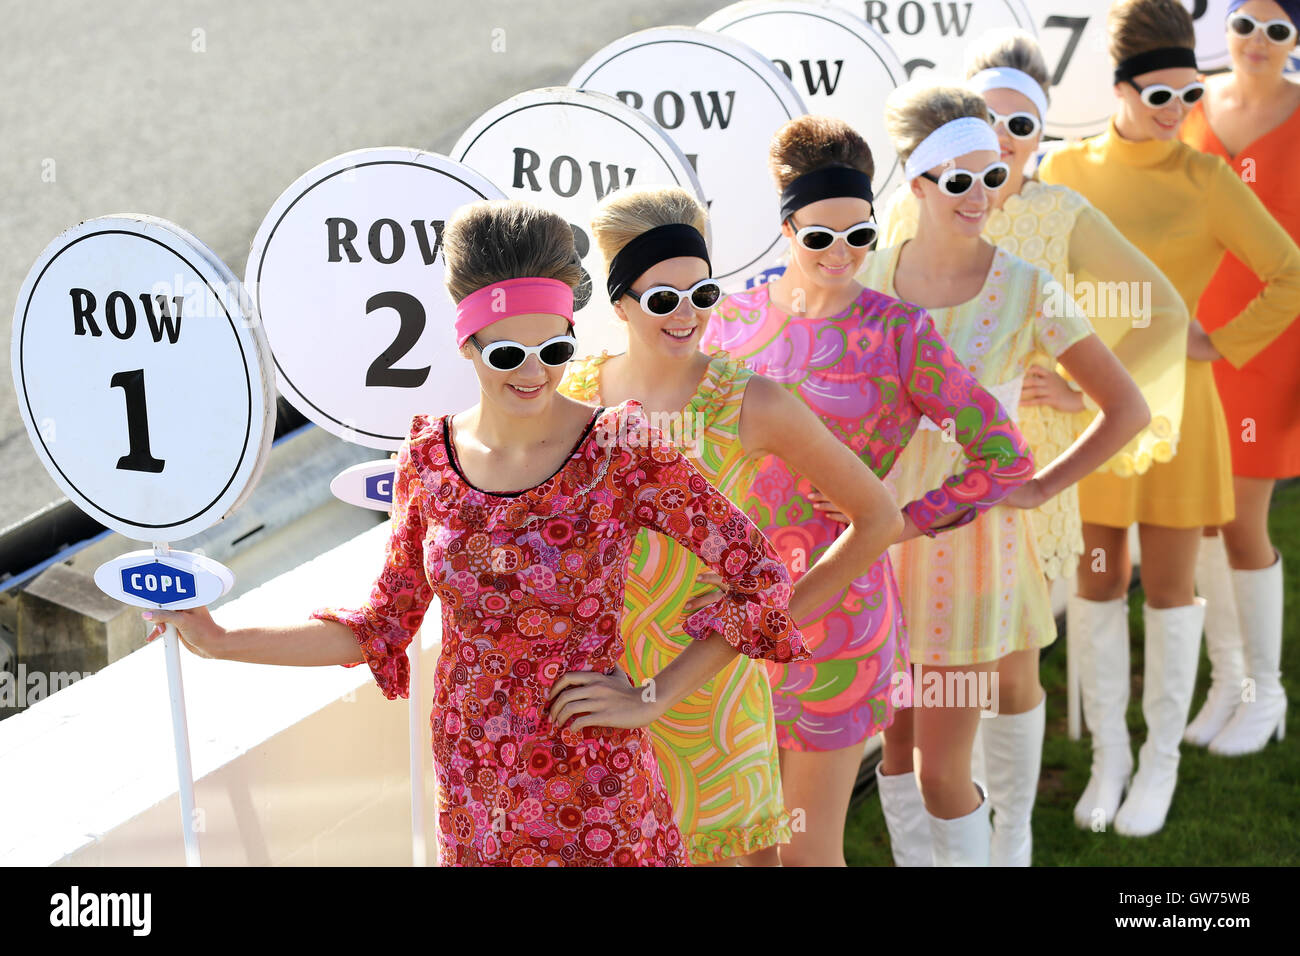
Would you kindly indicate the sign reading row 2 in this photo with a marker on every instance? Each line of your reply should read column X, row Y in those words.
column 564, row 149
column 142, row 377
column 347, row 272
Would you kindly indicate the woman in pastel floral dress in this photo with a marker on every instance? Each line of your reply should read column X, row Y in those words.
column 978, row 598
column 717, row 748
column 519, row 515
column 871, row 368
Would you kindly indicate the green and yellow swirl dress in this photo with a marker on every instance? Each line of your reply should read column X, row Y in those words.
column 717, row 748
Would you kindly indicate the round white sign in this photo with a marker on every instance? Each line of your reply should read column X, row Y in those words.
column 1072, row 34
column 934, row 36
column 720, row 101
column 1211, row 18
column 564, row 149
column 839, row 65
column 143, row 377
column 347, row 273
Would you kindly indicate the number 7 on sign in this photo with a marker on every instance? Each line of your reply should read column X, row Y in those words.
column 1076, row 26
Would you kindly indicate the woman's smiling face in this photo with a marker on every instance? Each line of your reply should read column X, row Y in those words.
column 528, row 389
column 677, row 333
column 1257, row 54
column 837, row 264
column 1142, row 122
column 1015, row 152
column 962, row 215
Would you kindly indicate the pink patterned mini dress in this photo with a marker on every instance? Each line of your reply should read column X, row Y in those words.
column 531, row 585
column 872, row 373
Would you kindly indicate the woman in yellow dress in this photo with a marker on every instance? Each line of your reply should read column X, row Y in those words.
column 976, row 600
column 1184, row 209
column 717, row 748
column 1133, row 308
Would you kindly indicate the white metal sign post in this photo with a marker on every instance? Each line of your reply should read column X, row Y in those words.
column 564, row 149
column 143, row 381
column 720, row 100
column 347, row 272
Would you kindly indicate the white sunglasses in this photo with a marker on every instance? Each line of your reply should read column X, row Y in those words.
column 1279, row 31
column 1019, row 125
column 663, row 300
column 1159, row 95
column 957, row 182
column 506, row 356
column 816, row 238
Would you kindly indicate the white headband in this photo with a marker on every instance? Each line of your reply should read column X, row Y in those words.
column 1008, row 78
column 952, row 139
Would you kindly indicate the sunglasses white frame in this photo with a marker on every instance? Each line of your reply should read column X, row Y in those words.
column 995, row 118
column 948, row 175
column 487, row 350
column 1256, row 25
column 1146, row 92
column 688, row 294
column 802, row 232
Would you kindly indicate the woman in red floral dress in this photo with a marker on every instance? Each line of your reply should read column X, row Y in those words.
column 539, row 738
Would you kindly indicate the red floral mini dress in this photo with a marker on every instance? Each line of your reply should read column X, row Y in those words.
column 530, row 586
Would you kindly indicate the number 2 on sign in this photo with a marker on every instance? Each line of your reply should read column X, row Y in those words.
column 412, row 316
column 139, row 457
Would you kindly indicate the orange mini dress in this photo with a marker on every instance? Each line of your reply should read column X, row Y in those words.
column 1260, row 399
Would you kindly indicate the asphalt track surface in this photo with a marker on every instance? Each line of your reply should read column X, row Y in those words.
column 203, row 112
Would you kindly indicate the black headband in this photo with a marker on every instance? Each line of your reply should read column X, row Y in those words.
column 1165, row 58
column 650, row 248
column 829, row 182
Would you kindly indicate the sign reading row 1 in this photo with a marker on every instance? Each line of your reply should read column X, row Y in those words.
column 143, row 377
column 347, row 273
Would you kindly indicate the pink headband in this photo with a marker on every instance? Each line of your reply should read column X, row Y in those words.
column 494, row 302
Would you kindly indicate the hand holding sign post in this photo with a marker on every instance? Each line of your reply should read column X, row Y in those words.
column 347, row 269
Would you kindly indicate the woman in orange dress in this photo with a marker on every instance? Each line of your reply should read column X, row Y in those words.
column 1251, row 118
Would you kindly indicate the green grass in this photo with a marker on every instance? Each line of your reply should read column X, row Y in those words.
column 1227, row 811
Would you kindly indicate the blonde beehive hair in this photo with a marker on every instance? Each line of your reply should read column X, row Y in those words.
column 627, row 213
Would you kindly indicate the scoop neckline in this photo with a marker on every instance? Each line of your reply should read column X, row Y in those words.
column 450, row 449
column 893, row 271
column 847, row 312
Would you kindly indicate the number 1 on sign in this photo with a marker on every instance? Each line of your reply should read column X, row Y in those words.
column 139, row 457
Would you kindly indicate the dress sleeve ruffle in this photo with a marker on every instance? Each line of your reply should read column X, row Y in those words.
column 665, row 493
column 385, row 625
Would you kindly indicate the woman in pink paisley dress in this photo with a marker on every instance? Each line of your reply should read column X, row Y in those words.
column 872, row 368
column 519, row 515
